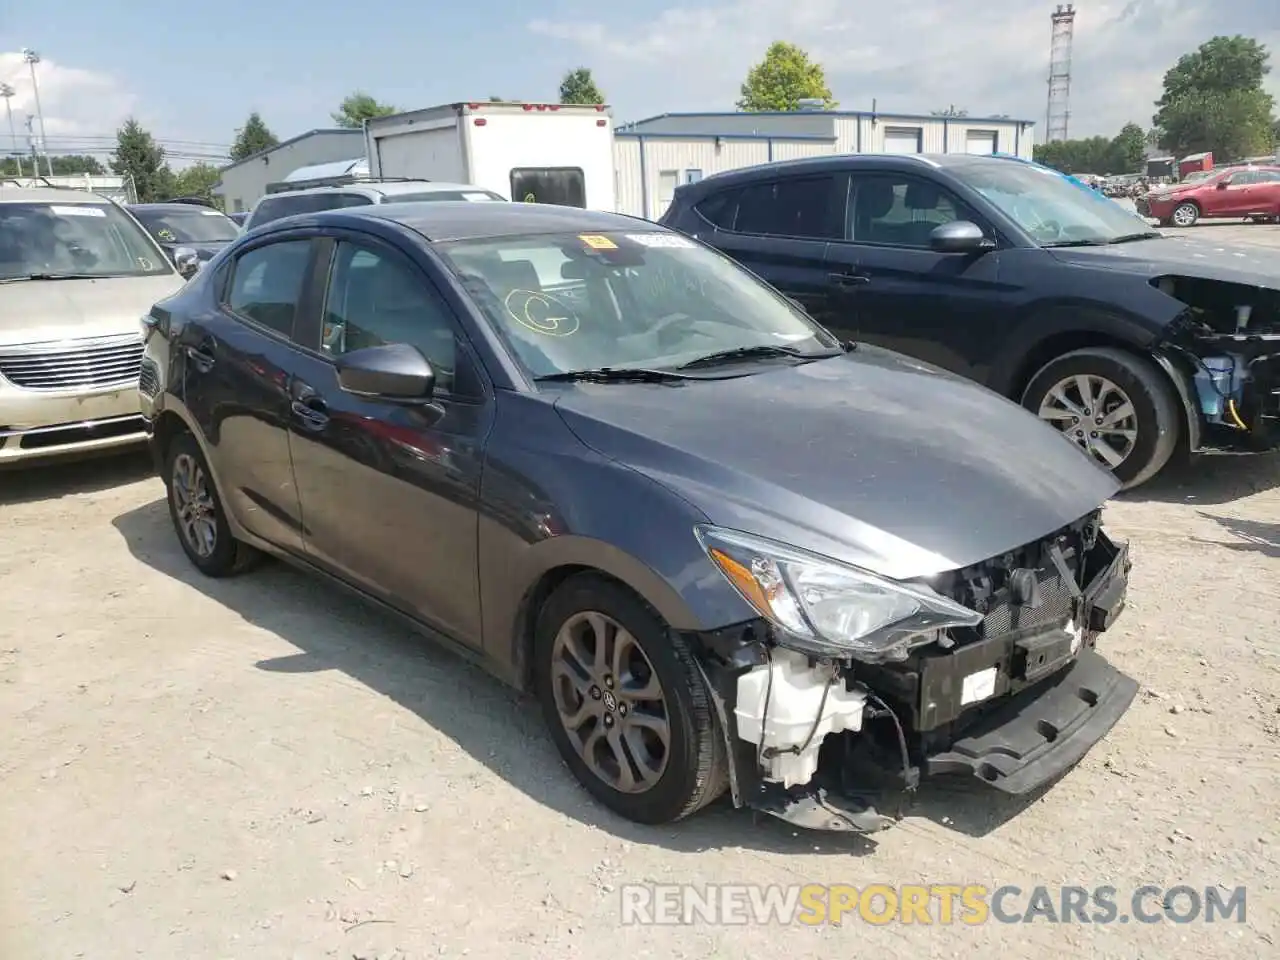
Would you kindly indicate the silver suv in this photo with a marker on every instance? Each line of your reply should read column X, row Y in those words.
column 77, row 273
column 275, row 206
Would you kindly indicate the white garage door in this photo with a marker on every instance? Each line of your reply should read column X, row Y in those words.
column 980, row 142
column 902, row 140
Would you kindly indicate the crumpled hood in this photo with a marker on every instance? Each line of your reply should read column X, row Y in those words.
column 1236, row 263
column 871, row 458
column 32, row 311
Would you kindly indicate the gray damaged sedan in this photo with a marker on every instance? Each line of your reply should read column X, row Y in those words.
column 727, row 550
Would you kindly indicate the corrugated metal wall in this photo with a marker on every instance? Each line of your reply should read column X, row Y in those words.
column 863, row 135
column 668, row 161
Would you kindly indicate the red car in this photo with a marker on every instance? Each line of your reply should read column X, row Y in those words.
column 1252, row 192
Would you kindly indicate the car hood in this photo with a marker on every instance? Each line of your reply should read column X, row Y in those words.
column 32, row 311
column 871, row 458
column 1183, row 256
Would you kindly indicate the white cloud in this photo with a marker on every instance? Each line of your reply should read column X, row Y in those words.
column 79, row 106
column 913, row 57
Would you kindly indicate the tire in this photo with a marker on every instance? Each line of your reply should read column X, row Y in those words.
column 695, row 769
column 225, row 556
column 1156, row 414
column 1185, row 214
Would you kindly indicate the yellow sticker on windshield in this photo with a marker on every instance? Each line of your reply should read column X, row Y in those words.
column 597, row 242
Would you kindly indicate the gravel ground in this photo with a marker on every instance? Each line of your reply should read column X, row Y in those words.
column 260, row 768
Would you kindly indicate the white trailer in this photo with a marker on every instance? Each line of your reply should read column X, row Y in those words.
column 527, row 152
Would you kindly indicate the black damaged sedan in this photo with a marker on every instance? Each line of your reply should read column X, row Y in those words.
column 726, row 550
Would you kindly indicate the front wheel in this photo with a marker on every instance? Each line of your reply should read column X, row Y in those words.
column 626, row 703
column 1185, row 215
column 1118, row 407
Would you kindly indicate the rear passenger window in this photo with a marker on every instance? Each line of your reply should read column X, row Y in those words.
column 807, row 209
column 720, row 210
column 266, row 284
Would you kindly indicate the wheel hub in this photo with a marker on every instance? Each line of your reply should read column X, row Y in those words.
column 1094, row 413
column 610, row 702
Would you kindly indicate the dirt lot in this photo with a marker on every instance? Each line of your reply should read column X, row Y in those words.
column 261, row 769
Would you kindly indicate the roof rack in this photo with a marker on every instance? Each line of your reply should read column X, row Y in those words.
column 356, row 180
column 28, row 182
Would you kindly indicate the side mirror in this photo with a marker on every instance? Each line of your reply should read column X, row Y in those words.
column 1224, row 183
column 393, row 371
column 187, row 261
column 959, row 236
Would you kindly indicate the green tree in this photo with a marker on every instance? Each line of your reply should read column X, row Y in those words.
column 196, row 180
column 254, row 137
column 579, row 86
column 62, row 166
column 140, row 158
column 359, row 107
column 1214, row 100
column 1129, row 149
column 782, row 79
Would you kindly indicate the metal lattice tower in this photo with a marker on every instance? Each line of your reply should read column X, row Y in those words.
column 1059, row 113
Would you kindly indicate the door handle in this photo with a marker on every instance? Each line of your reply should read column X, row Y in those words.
column 201, row 358
column 311, row 412
column 848, row 279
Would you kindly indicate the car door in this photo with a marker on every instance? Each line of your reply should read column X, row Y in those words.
column 779, row 230
column 952, row 310
column 1232, row 195
column 390, row 490
column 1268, row 190
column 237, row 360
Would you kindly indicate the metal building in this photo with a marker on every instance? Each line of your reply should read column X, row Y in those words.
column 652, row 157
column 243, row 183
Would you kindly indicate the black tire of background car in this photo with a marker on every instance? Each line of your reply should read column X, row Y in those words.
column 229, row 556
column 1154, row 402
column 697, row 768
column 1195, row 213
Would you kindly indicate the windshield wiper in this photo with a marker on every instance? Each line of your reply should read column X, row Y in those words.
column 760, row 351
column 613, row 375
column 1077, row 243
column 53, row 276
column 1145, row 235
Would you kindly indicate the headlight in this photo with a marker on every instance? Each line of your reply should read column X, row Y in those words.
column 825, row 607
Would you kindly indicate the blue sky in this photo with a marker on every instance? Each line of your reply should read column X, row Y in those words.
column 294, row 61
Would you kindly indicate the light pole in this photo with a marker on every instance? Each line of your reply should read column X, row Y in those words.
column 32, row 58
column 7, row 92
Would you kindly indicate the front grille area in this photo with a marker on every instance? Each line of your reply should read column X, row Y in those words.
column 73, row 364
column 149, row 379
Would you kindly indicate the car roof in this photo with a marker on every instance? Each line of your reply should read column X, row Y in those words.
column 441, row 220
column 63, row 195
column 385, row 189
column 836, row 163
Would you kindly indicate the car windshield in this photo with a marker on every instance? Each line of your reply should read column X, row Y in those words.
column 196, row 225
column 1050, row 207
column 74, row 239
column 568, row 303
column 476, row 195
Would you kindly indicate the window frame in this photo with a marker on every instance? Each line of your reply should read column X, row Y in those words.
column 306, row 296
column 983, row 221
column 325, row 262
column 835, row 226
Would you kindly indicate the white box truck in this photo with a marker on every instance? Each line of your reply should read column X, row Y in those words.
column 527, row 152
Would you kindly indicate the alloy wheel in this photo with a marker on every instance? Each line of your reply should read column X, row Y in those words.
column 610, row 702
column 193, row 503
column 1095, row 414
column 1184, row 215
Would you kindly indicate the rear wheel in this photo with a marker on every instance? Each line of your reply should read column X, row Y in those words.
column 1185, row 214
column 196, row 510
column 627, row 706
column 1119, row 408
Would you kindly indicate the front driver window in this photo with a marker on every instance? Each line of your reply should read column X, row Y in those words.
column 375, row 299
column 899, row 211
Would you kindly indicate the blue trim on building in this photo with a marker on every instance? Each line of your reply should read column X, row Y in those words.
column 694, row 135
column 879, row 115
column 946, row 135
